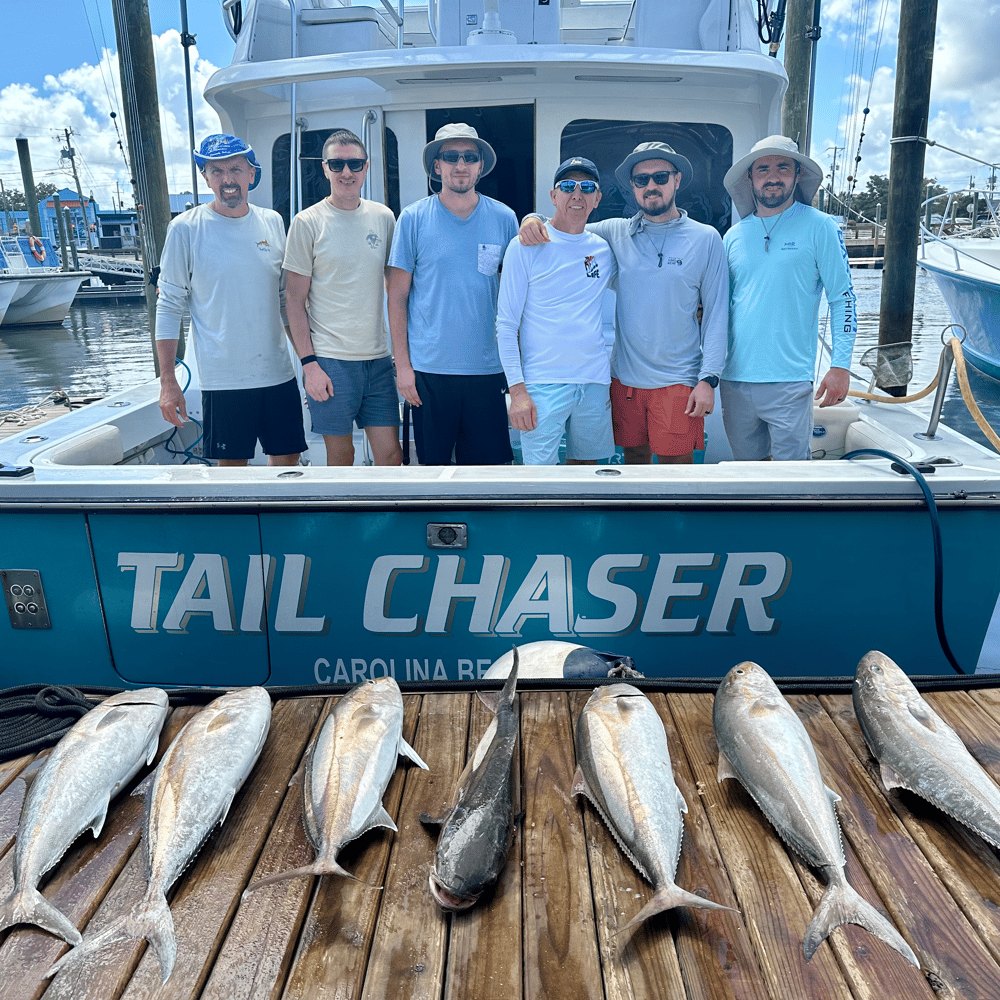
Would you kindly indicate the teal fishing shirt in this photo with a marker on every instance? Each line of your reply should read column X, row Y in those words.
column 775, row 294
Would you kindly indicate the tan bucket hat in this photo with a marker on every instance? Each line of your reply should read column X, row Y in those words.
column 457, row 130
column 651, row 151
column 738, row 184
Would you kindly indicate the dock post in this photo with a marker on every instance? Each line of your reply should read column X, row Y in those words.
column 61, row 230
column 802, row 31
column 28, row 179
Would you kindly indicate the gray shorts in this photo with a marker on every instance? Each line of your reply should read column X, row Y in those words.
column 364, row 393
column 768, row 420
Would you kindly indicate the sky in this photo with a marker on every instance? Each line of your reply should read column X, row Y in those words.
column 63, row 73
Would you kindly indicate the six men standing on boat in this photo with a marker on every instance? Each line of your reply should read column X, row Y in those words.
column 679, row 291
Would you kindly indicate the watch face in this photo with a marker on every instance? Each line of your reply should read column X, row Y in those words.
column 712, row 380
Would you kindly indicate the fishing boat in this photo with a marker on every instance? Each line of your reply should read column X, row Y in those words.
column 127, row 560
column 965, row 264
column 34, row 290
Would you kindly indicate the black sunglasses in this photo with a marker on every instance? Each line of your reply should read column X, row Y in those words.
column 453, row 156
column 661, row 177
column 568, row 187
column 355, row 166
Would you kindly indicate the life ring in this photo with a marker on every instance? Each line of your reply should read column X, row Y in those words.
column 37, row 248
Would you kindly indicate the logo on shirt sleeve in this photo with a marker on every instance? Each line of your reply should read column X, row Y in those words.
column 590, row 266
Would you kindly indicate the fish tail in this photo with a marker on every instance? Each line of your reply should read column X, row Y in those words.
column 152, row 920
column 316, row 868
column 29, row 906
column 842, row 905
column 666, row 899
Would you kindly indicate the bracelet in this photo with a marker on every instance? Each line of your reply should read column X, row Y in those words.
column 308, row 359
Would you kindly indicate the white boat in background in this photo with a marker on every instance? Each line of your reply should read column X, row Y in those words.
column 34, row 290
column 965, row 264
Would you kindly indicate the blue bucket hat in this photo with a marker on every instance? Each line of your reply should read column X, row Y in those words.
column 221, row 147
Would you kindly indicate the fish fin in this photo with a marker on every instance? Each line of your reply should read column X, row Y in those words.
column 841, row 904
column 298, row 777
column 666, row 899
column 405, row 750
column 98, row 822
column 112, row 718
column 29, row 906
column 725, row 769
column 763, row 707
column 491, row 699
column 145, row 785
column 681, row 801
column 832, row 796
column 580, row 786
column 381, row 818
column 152, row 920
column 426, row 819
column 891, row 778
column 505, row 696
column 154, row 745
column 316, row 868
column 228, row 717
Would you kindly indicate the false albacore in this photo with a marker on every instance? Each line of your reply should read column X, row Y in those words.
column 917, row 750
column 623, row 767
column 346, row 771
column 478, row 831
column 763, row 744
column 99, row 755
column 192, row 790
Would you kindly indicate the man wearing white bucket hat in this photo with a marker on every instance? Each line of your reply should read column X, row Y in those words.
column 783, row 254
column 222, row 263
column 442, row 300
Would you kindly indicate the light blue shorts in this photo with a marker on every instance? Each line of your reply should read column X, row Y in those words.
column 582, row 411
column 768, row 420
column 364, row 393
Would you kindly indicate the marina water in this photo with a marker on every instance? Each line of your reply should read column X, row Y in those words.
column 100, row 349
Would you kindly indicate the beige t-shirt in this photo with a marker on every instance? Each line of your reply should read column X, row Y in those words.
column 344, row 253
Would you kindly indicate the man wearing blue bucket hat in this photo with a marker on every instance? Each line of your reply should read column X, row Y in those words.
column 221, row 262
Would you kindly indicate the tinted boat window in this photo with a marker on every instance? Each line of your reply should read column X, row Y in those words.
column 607, row 143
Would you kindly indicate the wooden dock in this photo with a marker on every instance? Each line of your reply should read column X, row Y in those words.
column 550, row 929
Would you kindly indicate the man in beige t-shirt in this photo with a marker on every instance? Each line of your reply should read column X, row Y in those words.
column 335, row 265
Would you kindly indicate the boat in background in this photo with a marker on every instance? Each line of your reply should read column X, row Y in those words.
column 965, row 264
column 34, row 290
column 126, row 561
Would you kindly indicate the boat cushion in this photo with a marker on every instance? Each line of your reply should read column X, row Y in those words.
column 98, row 446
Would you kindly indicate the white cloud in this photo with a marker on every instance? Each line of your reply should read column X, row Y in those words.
column 81, row 99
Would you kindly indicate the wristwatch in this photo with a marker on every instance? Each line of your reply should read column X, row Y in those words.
column 712, row 380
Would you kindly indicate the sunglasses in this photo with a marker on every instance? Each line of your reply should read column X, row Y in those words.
column 661, row 177
column 453, row 156
column 355, row 166
column 568, row 187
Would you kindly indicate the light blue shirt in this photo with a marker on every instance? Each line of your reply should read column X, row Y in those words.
column 452, row 308
column 774, row 295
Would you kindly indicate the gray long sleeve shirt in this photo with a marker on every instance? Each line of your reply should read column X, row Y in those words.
column 658, row 339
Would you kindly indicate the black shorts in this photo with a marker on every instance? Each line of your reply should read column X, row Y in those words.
column 466, row 414
column 235, row 419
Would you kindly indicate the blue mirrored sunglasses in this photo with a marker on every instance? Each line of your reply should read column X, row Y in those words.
column 587, row 187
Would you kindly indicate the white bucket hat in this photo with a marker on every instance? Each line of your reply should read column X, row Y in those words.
column 738, row 184
column 457, row 130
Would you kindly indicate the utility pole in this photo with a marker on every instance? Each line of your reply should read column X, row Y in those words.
column 802, row 32
column 70, row 154
column 915, row 60
column 833, row 172
column 187, row 40
column 28, row 179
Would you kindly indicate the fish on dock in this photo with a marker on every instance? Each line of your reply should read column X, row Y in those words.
column 623, row 767
column 477, row 832
column 765, row 746
column 346, row 771
column 191, row 792
column 554, row 659
column 917, row 750
column 96, row 758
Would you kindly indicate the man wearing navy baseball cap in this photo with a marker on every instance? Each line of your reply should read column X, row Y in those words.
column 550, row 330
column 221, row 262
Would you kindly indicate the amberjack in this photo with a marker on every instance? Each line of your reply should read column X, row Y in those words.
column 191, row 792
column 477, row 832
column 99, row 755
column 917, row 750
column 623, row 767
column 763, row 744
column 346, row 771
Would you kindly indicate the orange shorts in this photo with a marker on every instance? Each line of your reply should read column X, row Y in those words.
column 655, row 417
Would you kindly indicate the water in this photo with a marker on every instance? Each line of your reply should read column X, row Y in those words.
column 100, row 349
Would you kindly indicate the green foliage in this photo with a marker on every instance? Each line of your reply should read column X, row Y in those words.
column 15, row 198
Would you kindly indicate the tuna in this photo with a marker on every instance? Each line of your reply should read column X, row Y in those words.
column 477, row 832
column 917, row 750
column 763, row 744
column 346, row 772
column 99, row 755
column 192, row 790
column 623, row 767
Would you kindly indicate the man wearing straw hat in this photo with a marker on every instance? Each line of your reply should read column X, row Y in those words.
column 783, row 254
column 665, row 364
column 442, row 294
column 222, row 263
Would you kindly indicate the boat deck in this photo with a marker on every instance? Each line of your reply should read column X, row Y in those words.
column 549, row 931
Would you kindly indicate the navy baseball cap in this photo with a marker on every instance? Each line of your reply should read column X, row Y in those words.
column 577, row 165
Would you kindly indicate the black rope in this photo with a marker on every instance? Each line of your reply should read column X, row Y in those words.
column 36, row 716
